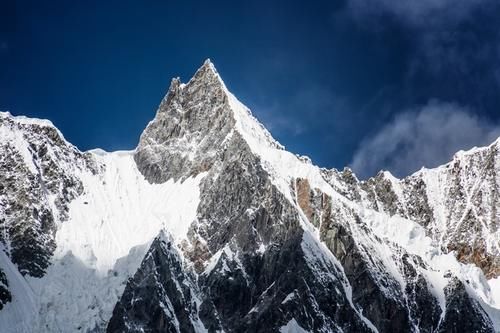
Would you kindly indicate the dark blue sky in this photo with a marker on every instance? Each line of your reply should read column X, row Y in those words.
column 368, row 83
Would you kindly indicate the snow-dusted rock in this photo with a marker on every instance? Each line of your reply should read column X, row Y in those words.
column 210, row 225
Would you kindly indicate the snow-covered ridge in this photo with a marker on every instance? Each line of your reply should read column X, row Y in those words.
column 26, row 120
column 112, row 222
column 285, row 167
column 23, row 120
column 247, row 124
column 460, row 156
column 457, row 202
column 102, row 242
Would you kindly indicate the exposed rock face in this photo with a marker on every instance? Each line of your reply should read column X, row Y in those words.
column 5, row 295
column 272, row 243
column 463, row 314
column 36, row 186
column 316, row 205
column 160, row 297
column 191, row 124
column 252, row 235
column 457, row 203
column 404, row 308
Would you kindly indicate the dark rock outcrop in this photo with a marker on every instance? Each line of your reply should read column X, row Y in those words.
column 463, row 314
column 36, row 187
column 5, row 295
column 162, row 295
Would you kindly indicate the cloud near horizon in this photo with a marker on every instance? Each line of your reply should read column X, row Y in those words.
column 427, row 136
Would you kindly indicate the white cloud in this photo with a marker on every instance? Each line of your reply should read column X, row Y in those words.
column 428, row 137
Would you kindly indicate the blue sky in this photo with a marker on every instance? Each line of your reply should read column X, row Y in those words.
column 374, row 84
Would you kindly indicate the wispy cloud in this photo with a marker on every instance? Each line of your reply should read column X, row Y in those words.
column 308, row 109
column 457, row 42
column 428, row 136
column 276, row 119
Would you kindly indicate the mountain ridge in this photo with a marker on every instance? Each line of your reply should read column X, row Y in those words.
column 270, row 240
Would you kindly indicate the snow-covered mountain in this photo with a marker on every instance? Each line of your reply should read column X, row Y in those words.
column 210, row 225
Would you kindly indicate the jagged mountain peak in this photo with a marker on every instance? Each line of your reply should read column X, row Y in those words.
column 208, row 62
column 206, row 74
column 211, row 225
column 207, row 70
column 193, row 123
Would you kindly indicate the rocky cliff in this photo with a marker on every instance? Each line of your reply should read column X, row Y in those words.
column 210, row 225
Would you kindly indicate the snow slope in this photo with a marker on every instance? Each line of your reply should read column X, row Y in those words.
column 103, row 242
column 20, row 314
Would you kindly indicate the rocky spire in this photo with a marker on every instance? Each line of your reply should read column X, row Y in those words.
column 189, row 128
column 206, row 75
column 207, row 70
